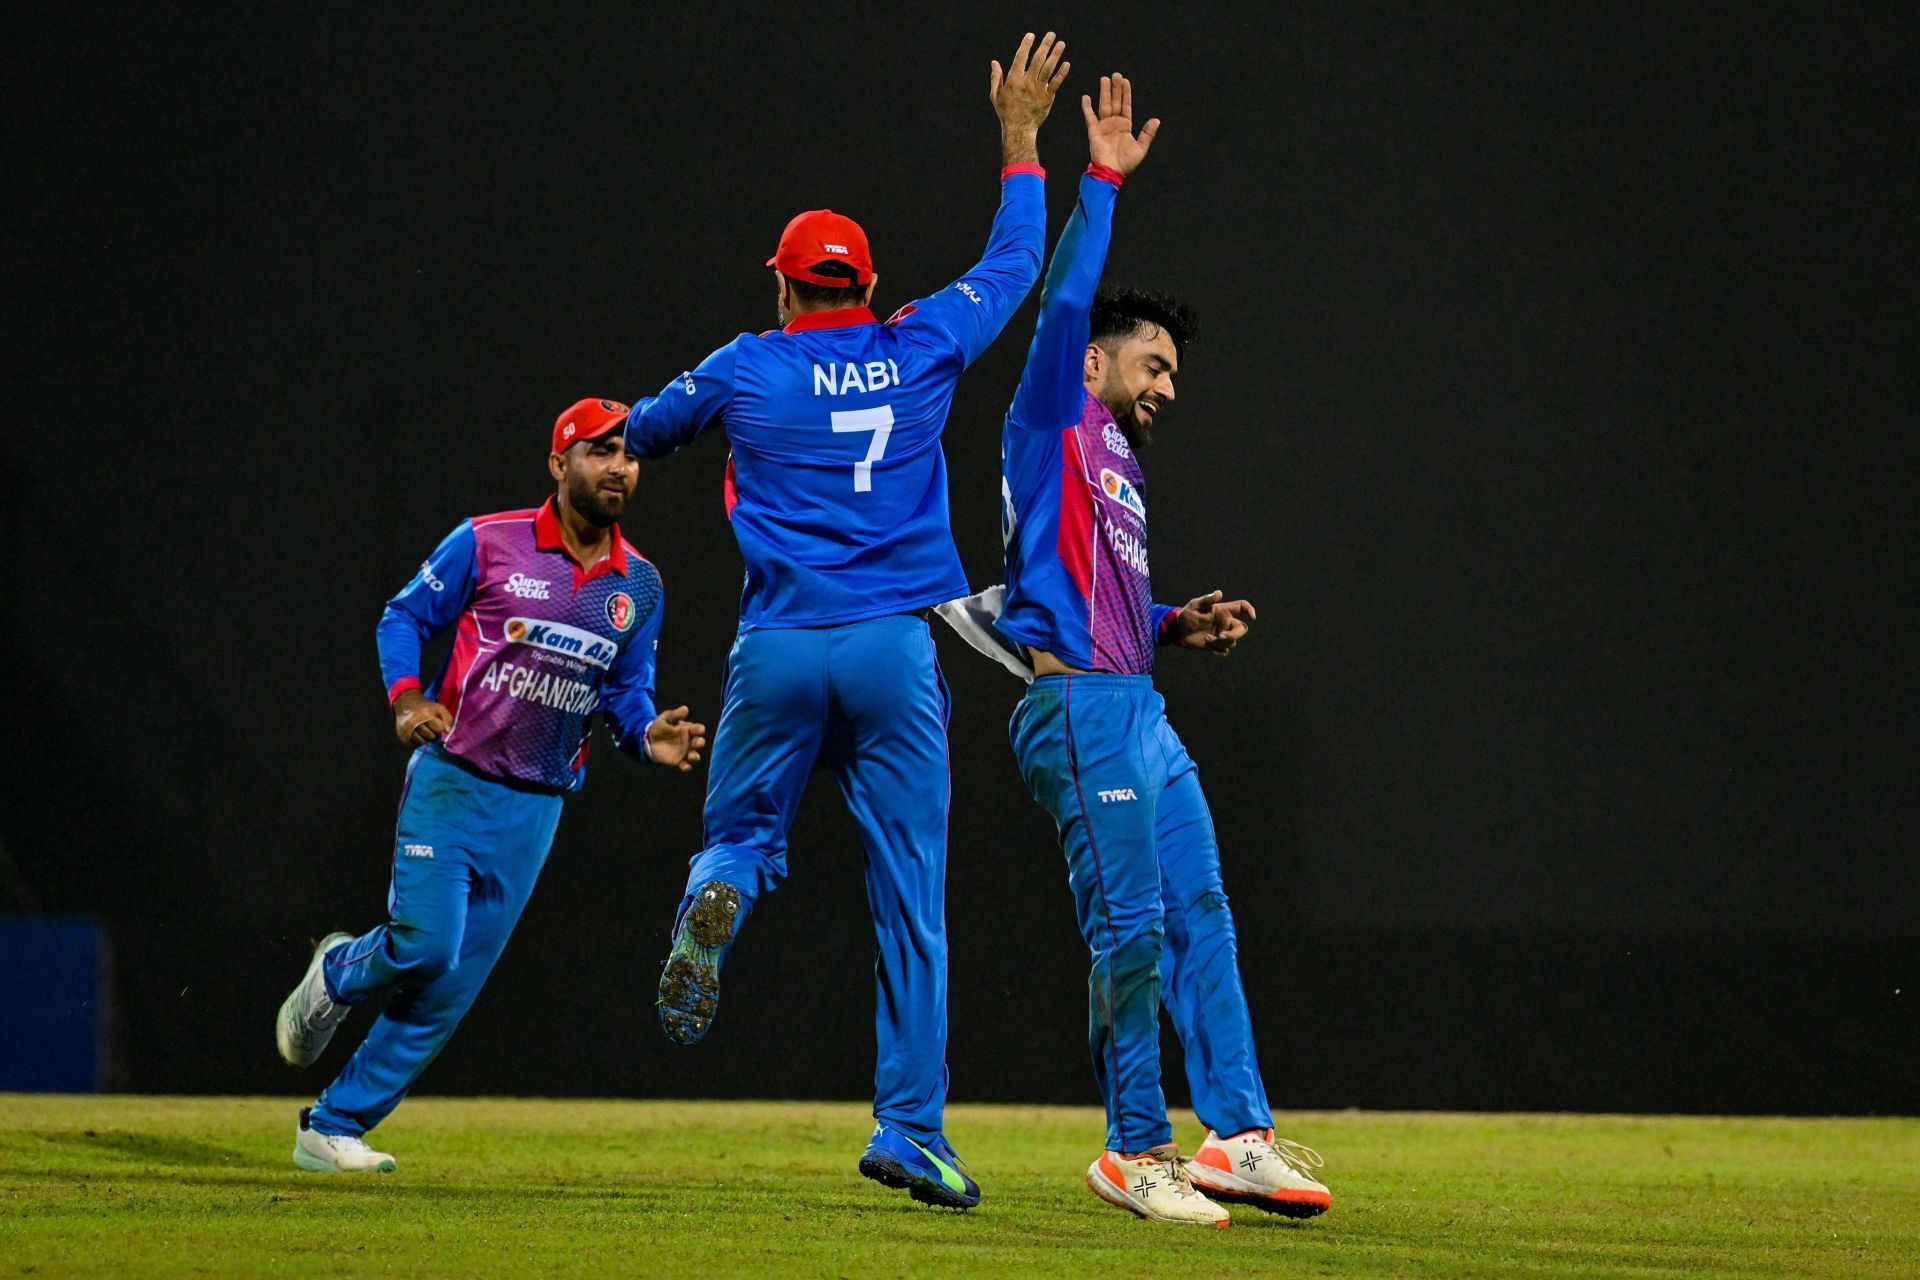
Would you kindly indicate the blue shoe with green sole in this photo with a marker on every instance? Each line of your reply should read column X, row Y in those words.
column 931, row 1173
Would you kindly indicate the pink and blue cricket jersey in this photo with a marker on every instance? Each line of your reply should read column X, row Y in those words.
column 1073, row 501
column 540, row 645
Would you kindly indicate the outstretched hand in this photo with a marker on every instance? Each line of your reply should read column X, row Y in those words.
column 674, row 740
column 1022, row 95
column 1210, row 623
column 1110, row 137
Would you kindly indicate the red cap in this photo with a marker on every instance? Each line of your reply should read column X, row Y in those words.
column 818, row 236
column 588, row 419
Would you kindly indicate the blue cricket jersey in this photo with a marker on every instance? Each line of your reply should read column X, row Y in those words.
column 1074, row 507
column 540, row 645
column 837, row 487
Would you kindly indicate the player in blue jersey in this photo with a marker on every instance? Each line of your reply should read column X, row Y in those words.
column 837, row 491
column 555, row 619
column 1076, row 617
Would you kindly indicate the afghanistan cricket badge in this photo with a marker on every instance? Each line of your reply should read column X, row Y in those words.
column 620, row 610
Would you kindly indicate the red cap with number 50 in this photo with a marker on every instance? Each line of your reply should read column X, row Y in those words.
column 587, row 420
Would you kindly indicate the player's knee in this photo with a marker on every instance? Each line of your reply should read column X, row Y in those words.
column 423, row 954
column 1140, row 953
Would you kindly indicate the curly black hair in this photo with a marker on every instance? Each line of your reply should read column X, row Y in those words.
column 1120, row 312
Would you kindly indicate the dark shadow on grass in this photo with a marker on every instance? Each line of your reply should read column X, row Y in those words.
column 151, row 1149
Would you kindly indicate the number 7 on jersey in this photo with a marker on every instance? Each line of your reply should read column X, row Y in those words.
column 878, row 420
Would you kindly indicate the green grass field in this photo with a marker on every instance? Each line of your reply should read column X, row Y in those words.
column 203, row 1186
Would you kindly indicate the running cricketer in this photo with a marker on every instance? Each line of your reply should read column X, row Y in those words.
column 1092, row 737
column 555, row 618
column 837, row 492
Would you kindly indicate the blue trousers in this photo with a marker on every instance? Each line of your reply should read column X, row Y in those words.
column 466, row 852
column 865, row 699
column 1098, row 754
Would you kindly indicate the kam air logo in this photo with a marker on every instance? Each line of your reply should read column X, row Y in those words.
column 620, row 610
column 1121, row 490
column 557, row 637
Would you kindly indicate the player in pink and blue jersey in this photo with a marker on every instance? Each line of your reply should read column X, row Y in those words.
column 837, row 492
column 1077, row 616
column 554, row 619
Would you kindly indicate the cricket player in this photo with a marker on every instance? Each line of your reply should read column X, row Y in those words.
column 837, row 492
column 1092, row 737
column 555, row 619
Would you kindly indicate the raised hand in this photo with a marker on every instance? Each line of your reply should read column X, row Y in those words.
column 1110, row 137
column 1022, row 95
column 1210, row 623
column 674, row 740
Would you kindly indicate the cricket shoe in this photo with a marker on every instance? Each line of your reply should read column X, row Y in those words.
column 309, row 1015
column 1258, row 1169
column 931, row 1174
column 690, row 980
column 1155, row 1186
column 318, row 1152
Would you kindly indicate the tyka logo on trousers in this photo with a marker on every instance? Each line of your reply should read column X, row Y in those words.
column 1117, row 794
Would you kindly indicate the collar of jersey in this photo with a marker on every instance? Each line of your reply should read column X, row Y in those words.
column 838, row 318
column 546, row 536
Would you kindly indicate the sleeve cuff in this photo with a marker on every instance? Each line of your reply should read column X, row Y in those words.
column 1033, row 169
column 1163, row 633
column 1105, row 174
column 405, row 684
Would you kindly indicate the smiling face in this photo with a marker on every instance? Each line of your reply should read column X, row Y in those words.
column 1133, row 376
column 596, row 477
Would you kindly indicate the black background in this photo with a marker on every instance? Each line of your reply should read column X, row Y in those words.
column 1555, row 404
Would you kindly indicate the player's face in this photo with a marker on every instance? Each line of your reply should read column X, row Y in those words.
column 1137, row 381
column 597, row 477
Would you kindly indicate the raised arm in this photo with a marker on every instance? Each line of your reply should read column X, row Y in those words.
column 973, row 310
column 1051, row 387
column 685, row 407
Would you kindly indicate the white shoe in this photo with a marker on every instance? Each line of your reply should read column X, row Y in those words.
column 1258, row 1169
column 1155, row 1186
column 318, row 1152
column 309, row 1015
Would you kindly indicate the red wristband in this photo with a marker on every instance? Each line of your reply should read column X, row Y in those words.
column 1033, row 169
column 405, row 684
column 1105, row 174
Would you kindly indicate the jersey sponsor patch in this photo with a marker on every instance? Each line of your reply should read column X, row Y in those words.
column 1116, row 440
column 558, row 637
column 1116, row 795
column 1122, row 491
column 528, row 588
column 620, row 610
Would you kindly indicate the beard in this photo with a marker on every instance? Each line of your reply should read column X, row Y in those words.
column 1126, row 413
column 599, row 509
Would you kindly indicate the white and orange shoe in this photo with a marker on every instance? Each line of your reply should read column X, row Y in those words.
column 1155, row 1186
column 1261, row 1170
